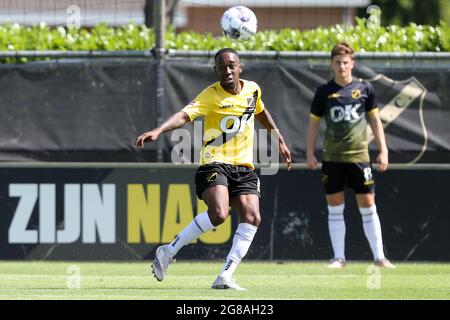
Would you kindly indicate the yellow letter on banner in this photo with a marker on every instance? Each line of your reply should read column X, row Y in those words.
column 178, row 213
column 144, row 212
column 216, row 236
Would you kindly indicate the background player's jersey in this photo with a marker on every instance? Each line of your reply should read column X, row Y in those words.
column 345, row 110
column 229, row 123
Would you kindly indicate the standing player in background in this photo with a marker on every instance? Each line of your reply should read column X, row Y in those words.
column 226, row 175
column 347, row 104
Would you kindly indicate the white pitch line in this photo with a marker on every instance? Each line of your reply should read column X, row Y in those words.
column 181, row 276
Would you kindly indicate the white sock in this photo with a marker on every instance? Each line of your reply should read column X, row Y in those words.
column 372, row 230
column 198, row 226
column 241, row 243
column 336, row 227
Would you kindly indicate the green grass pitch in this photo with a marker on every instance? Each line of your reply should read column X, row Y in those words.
column 192, row 280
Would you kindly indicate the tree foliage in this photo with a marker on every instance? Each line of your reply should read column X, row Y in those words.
column 404, row 12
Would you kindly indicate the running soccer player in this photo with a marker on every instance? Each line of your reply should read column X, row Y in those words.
column 347, row 104
column 226, row 175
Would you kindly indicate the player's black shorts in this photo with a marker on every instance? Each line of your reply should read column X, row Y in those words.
column 238, row 179
column 337, row 175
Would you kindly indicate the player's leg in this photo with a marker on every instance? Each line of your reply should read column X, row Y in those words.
column 336, row 228
column 244, row 199
column 363, row 183
column 212, row 187
column 216, row 198
column 248, row 208
column 333, row 178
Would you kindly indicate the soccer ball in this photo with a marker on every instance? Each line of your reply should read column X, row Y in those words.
column 239, row 23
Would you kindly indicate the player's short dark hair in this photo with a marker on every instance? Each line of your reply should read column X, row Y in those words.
column 342, row 48
column 224, row 50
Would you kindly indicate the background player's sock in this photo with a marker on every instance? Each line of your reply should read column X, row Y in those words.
column 199, row 225
column 336, row 227
column 241, row 243
column 372, row 230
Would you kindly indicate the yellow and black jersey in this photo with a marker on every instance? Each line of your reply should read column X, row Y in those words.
column 229, row 122
column 345, row 110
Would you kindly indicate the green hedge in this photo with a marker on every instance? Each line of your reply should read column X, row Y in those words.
column 132, row 37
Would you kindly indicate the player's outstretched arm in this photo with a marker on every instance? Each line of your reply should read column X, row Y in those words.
column 380, row 140
column 266, row 120
column 175, row 121
column 313, row 128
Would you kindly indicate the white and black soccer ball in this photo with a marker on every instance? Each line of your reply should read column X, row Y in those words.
column 239, row 23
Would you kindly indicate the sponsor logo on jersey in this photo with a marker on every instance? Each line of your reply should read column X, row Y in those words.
column 334, row 95
column 349, row 113
column 226, row 106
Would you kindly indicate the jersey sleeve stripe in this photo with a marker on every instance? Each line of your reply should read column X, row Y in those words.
column 313, row 116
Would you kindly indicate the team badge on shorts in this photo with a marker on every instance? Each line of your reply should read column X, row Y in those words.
column 324, row 178
column 356, row 94
column 212, row 176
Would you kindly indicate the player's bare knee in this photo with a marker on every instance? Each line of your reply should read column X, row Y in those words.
column 256, row 219
column 251, row 217
column 218, row 215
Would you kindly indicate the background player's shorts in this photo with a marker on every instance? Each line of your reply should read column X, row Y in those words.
column 337, row 175
column 238, row 179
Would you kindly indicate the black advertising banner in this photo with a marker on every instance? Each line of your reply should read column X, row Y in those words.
column 414, row 106
column 75, row 110
column 100, row 213
column 124, row 213
column 93, row 110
